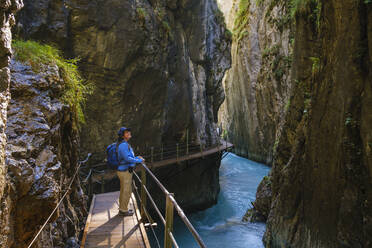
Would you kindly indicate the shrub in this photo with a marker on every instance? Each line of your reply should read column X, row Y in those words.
column 75, row 91
column 241, row 20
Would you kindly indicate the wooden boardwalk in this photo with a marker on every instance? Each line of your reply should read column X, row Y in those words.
column 105, row 228
column 157, row 164
column 161, row 163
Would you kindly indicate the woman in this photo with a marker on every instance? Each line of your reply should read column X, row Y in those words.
column 127, row 162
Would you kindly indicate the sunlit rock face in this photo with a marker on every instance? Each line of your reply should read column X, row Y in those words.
column 258, row 84
column 7, row 11
column 157, row 67
column 41, row 156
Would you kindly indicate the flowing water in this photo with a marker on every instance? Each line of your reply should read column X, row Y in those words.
column 220, row 226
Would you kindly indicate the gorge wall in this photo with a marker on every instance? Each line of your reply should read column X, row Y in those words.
column 319, row 192
column 7, row 11
column 41, row 155
column 322, row 174
column 258, row 85
column 157, row 67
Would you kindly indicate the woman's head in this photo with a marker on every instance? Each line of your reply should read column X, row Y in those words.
column 124, row 133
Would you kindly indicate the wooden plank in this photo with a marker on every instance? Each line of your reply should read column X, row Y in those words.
column 107, row 229
column 88, row 222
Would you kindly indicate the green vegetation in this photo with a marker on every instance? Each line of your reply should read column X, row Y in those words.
column 224, row 134
column 241, row 20
column 141, row 12
column 287, row 105
column 267, row 180
column 348, row 121
column 314, row 6
column 298, row 6
column 228, row 34
column 259, row 2
column 316, row 65
column 279, row 63
column 37, row 55
column 167, row 29
column 276, row 144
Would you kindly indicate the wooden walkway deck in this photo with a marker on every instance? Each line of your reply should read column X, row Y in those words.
column 157, row 164
column 105, row 228
column 222, row 147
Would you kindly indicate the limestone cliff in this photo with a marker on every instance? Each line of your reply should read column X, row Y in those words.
column 41, row 156
column 157, row 67
column 321, row 179
column 258, row 84
column 7, row 10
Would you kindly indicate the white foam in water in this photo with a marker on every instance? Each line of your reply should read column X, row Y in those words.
column 221, row 225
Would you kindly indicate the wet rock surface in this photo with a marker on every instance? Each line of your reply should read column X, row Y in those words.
column 261, row 206
column 41, row 156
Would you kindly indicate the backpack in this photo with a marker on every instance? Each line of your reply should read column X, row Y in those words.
column 113, row 156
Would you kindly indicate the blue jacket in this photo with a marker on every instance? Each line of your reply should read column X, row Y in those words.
column 126, row 157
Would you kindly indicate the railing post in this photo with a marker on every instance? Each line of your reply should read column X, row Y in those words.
column 168, row 222
column 90, row 187
column 201, row 149
column 187, row 142
column 177, row 146
column 102, row 184
column 152, row 154
column 161, row 154
column 143, row 193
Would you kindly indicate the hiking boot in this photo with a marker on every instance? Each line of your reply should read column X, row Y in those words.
column 130, row 212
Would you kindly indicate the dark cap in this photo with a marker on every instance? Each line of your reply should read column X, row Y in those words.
column 122, row 130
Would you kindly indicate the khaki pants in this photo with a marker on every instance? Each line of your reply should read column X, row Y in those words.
column 125, row 189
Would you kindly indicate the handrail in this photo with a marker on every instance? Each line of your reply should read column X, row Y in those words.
column 171, row 204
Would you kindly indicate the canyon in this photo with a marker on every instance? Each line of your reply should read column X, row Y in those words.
column 317, row 136
column 289, row 83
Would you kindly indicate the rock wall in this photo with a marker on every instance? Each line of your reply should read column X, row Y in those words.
column 258, row 85
column 41, row 154
column 321, row 179
column 157, row 65
column 7, row 10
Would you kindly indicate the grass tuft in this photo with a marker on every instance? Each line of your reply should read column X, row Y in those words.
column 36, row 55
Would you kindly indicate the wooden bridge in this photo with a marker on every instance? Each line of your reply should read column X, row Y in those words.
column 105, row 228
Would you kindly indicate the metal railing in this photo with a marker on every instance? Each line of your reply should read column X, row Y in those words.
column 171, row 205
column 173, row 151
column 143, row 195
